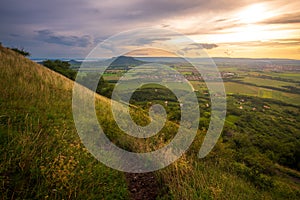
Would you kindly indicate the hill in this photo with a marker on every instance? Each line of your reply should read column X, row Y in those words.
column 124, row 62
column 42, row 156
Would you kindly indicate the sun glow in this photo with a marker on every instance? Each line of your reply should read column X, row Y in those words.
column 248, row 30
column 253, row 14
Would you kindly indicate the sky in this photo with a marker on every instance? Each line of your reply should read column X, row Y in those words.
column 224, row 28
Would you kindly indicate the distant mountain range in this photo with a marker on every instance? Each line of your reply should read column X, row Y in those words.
column 127, row 61
column 219, row 60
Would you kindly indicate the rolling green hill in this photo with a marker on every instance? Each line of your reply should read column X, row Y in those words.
column 41, row 155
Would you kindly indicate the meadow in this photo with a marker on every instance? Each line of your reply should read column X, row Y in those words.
column 42, row 156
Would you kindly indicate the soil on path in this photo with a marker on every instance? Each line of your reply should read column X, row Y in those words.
column 142, row 186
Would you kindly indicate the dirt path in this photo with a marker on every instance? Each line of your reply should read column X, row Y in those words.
column 142, row 186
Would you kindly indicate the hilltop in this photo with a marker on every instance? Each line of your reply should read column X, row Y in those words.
column 124, row 62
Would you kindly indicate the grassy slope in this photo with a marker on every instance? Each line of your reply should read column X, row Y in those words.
column 42, row 156
column 41, row 153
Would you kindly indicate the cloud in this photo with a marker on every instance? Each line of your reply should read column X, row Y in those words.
column 163, row 8
column 14, row 35
column 85, row 20
column 278, row 43
column 284, row 42
column 199, row 46
column 149, row 40
column 108, row 46
column 195, row 49
column 284, row 19
column 206, row 46
column 67, row 40
column 109, row 16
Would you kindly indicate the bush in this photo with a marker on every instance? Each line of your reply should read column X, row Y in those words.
column 61, row 67
column 21, row 51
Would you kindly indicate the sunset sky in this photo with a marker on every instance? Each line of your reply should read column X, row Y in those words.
column 231, row 28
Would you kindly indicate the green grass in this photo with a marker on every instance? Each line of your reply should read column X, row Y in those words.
column 230, row 69
column 267, row 82
column 42, row 156
column 292, row 76
column 264, row 93
column 242, row 89
column 231, row 119
column 237, row 88
column 205, row 180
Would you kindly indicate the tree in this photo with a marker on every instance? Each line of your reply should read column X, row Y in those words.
column 21, row 51
column 61, row 67
column 89, row 80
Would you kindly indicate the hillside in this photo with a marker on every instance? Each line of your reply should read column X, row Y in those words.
column 42, row 156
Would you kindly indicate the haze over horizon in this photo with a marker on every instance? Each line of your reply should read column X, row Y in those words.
column 248, row 29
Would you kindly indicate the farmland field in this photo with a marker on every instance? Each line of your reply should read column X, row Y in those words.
column 267, row 82
column 291, row 76
column 262, row 84
column 239, row 88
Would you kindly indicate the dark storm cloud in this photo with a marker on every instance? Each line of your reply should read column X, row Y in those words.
column 69, row 40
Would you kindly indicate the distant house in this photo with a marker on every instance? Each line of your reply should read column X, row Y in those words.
column 228, row 74
column 266, row 107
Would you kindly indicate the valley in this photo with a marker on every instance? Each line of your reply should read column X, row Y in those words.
column 256, row 157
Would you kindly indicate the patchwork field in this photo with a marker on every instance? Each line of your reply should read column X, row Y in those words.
column 239, row 88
